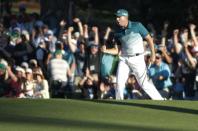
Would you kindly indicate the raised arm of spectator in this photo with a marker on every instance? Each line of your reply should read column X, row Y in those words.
column 176, row 41
column 165, row 54
column 113, row 51
column 192, row 32
column 11, row 74
column 164, row 33
column 189, row 55
column 106, row 36
column 79, row 23
column 86, row 34
column 62, row 28
column 72, row 46
column 96, row 35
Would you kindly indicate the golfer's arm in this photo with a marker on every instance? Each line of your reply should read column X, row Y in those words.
column 149, row 39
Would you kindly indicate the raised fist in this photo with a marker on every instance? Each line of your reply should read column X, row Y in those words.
column 176, row 32
column 76, row 20
column 95, row 29
column 192, row 26
column 70, row 29
column 62, row 23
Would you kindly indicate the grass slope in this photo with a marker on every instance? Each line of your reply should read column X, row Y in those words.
column 79, row 115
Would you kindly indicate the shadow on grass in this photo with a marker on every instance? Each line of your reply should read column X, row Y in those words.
column 71, row 124
column 149, row 106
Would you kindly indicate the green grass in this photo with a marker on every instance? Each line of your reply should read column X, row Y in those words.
column 98, row 115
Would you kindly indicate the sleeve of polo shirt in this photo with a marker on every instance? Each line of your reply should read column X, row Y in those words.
column 142, row 30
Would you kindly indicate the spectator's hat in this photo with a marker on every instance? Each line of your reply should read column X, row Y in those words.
column 20, row 69
column 2, row 67
column 26, row 34
column 158, row 54
column 76, row 34
column 49, row 33
column 24, row 65
column 122, row 12
column 92, row 44
column 58, row 52
column 33, row 62
column 4, row 62
column 28, row 70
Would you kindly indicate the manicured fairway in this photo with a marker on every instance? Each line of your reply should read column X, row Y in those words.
column 98, row 115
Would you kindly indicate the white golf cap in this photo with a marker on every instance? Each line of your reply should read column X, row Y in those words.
column 28, row 70
column 18, row 68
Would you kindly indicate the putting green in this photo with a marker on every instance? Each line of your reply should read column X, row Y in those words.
column 97, row 115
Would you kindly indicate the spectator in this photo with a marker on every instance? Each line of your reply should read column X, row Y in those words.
column 22, row 51
column 108, row 65
column 107, row 88
column 88, row 86
column 28, row 85
column 15, row 82
column 41, row 89
column 133, row 90
column 160, row 75
column 92, row 62
column 59, row 72
column 41, row 56
column 3, row 80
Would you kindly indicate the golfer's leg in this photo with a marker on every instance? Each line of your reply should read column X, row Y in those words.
column 140, row 71
column 150, row 89
column 122, row 76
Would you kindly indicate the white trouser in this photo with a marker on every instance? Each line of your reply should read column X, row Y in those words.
column 138, row 66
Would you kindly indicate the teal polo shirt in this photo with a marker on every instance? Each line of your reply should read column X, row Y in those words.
column 131, row 38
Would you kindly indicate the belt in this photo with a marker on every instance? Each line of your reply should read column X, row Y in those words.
column 137, row 54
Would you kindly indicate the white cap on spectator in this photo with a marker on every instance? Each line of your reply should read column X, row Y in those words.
column 18, row 68
column 28, row 70
column 33, row 61
column 4, row 62
column 49, row 33
column 25, row 65
column 76, row 34
column 25, row 32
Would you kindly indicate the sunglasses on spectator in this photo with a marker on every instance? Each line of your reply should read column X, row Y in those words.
column 157, row 57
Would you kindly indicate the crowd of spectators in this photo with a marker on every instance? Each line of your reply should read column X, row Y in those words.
column 39, row 62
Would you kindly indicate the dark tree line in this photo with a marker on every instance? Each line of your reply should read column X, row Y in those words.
column 178, row 12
